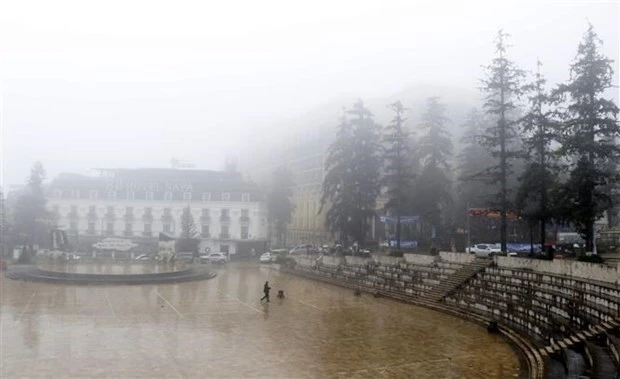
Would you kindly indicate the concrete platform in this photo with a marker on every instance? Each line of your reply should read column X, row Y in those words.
column 219, row 329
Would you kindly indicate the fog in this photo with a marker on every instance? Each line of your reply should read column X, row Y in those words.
column 133, row 84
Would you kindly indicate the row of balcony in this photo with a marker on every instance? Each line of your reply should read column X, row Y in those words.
column 165, row 218
column 131, row 233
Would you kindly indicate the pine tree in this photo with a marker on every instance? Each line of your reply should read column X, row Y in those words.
column 352, row 181
column 279, row 205
column 502, row 86
column 398, row 168
column 588, row 137
column 188, row 239
column 30, row 216
column 434, row 185
column 539, row 127
column 188, row 226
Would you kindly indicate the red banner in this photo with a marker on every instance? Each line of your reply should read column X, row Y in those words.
column 490, row 213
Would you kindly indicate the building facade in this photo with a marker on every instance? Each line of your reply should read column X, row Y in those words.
column 138, row 204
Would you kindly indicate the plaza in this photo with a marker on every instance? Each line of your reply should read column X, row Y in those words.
column 219, row 328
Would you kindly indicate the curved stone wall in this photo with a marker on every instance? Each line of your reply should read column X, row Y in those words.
column 33, row 273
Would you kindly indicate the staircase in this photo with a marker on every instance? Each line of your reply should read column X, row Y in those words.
column 459, row 277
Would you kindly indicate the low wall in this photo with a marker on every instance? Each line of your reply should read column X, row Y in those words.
column 419, row 259
column 457, row 257
column 590, row 271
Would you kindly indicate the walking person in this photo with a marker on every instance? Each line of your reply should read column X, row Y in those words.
column 266, row 290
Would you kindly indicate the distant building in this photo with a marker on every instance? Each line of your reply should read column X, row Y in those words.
column 138, row 204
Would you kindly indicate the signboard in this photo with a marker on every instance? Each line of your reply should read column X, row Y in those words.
column 490, row 213
column 139, row 186
column 116, row 244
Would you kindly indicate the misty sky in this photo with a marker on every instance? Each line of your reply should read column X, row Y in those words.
column 111, row 83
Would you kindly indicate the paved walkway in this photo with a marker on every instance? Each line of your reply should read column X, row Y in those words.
column 218, row 328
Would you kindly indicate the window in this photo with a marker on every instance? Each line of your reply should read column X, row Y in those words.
column 131, row 195
column 167, row 228
column 224, row 232
column 187, row 196
column 245, row 213
column 168, row 196
column 110, row 228
column 91, row 228
column 148, row 228
column 148, row 196
column 225, row 215
column 205, row 213
column 92, row 195
column 128, row 229
column 148, row 211
column 110, row 211
column 75, row 194
column 129, row 210
column 57, row 193
column 206, row 196
column 167, row 212
column 245, row 197
column 74, row 209
column 204, row 231
column 244, row 232
column 112, row 195
column 224, row 249
column 225, row 196
column 92, row 210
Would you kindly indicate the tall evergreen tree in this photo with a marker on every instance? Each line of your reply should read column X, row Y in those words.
column 502, row 86
column 398, row 169
column 588, row 137
column 279, row 204
column 539, row 127
column 352, row 181
column 434, row 184
column 188, row 239
column 188, row 226
column 30, row 216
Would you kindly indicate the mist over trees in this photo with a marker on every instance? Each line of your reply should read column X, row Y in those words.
column 279, row 204
column 352, row 182
column 547, row 154
column 399, row 172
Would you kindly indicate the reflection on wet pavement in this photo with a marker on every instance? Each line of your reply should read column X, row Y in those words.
column 219, row 328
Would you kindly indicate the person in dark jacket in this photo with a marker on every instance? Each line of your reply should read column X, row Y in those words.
column 266, row 290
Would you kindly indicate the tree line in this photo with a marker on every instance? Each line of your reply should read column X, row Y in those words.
column 549, row 153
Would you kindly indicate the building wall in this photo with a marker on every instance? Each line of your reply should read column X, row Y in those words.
column 89, row 211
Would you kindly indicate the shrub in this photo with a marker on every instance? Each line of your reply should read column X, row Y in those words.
column 594, row 258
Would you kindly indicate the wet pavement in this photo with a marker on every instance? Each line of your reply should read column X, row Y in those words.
column 219, row 328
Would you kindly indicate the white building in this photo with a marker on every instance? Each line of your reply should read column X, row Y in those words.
column 138, row 204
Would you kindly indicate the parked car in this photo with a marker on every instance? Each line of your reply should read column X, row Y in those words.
column 484, row 250
column 143, row 257
column 267, row 257
column 186, row 256
column 214, row 258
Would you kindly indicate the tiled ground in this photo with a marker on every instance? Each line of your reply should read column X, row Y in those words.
column 218, row 328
